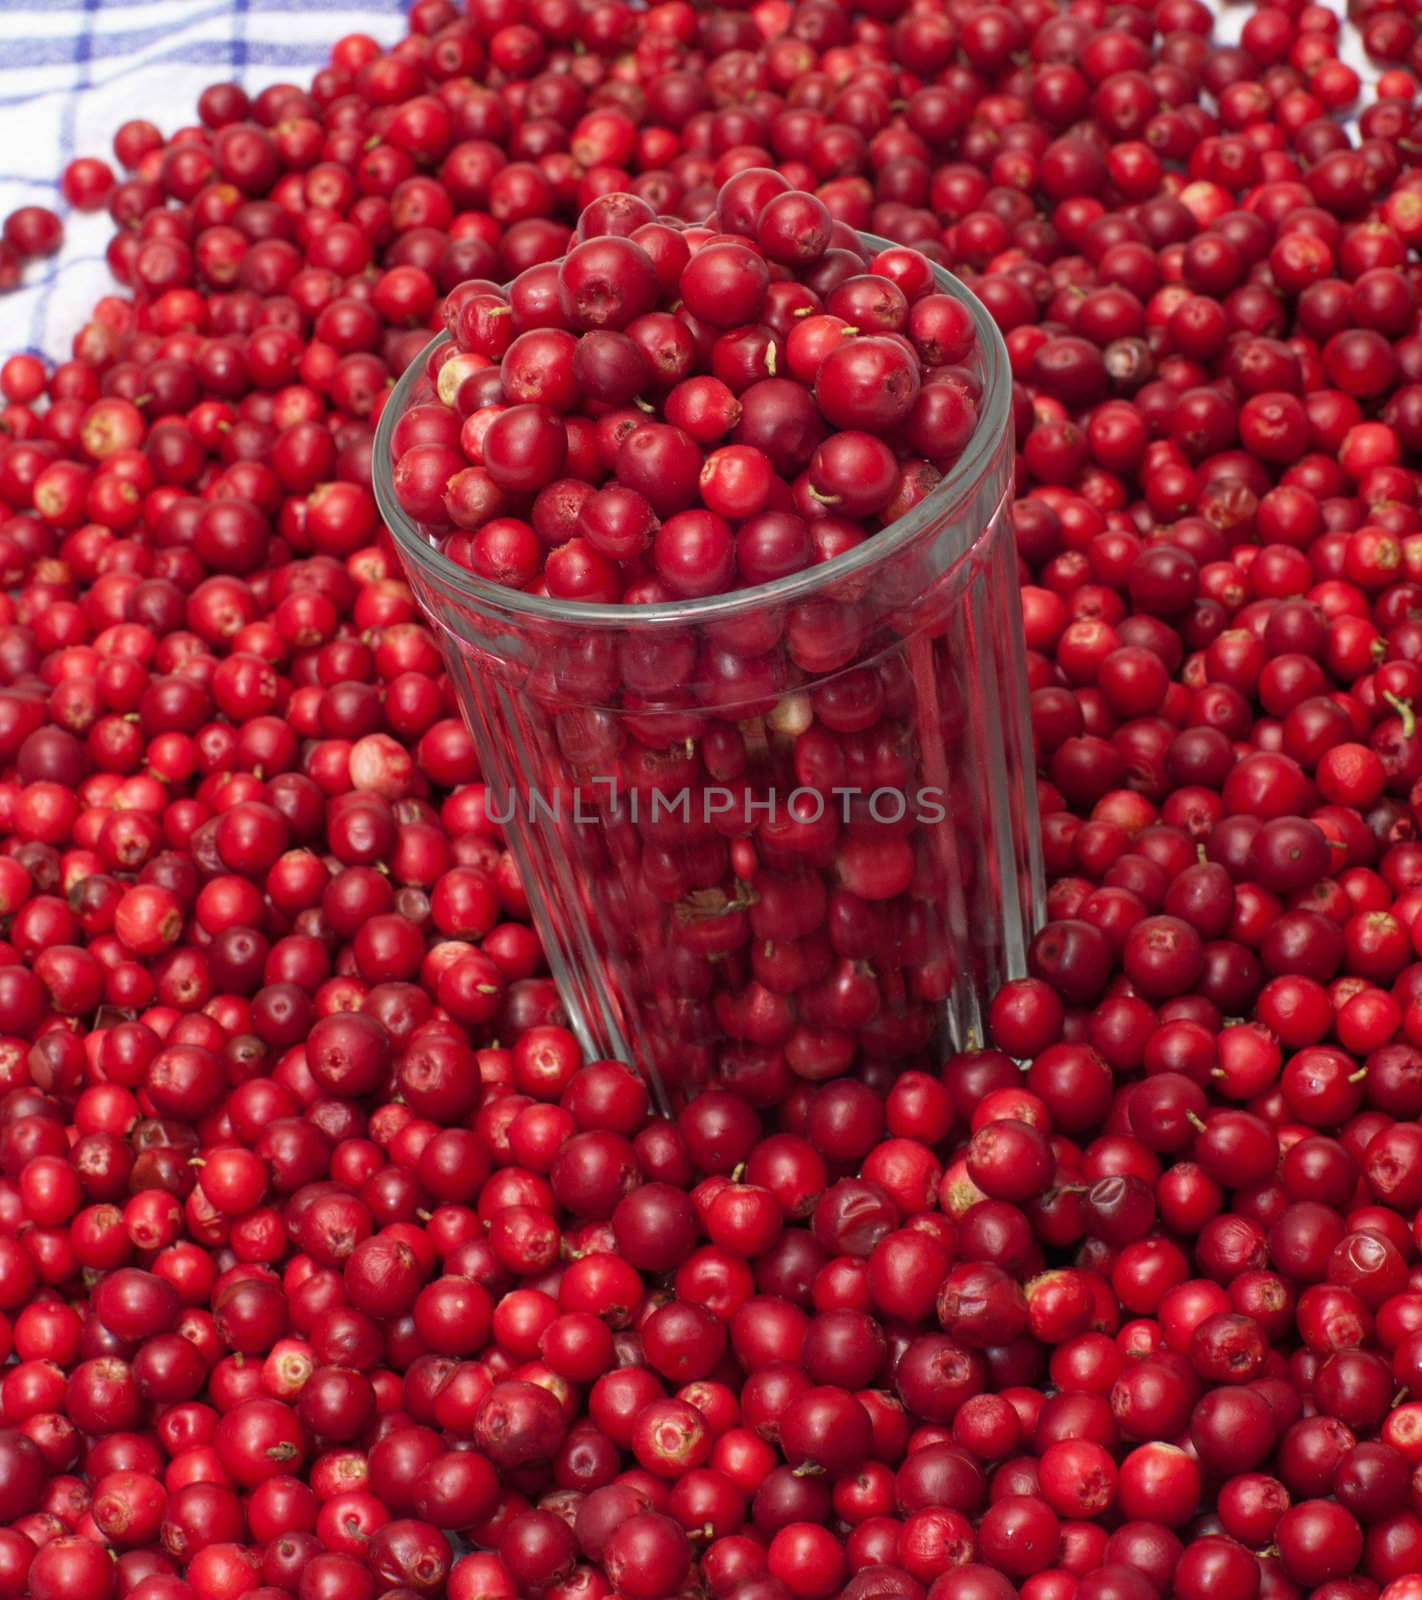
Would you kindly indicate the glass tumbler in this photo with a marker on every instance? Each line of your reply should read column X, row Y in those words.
column 779, row 834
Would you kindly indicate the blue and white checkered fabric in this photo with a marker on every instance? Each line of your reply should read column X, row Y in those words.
column 71, row 71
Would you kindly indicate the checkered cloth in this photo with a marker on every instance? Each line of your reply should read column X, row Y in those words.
column 71, row 71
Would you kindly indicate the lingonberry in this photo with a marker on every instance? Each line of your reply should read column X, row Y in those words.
column 291, row 1113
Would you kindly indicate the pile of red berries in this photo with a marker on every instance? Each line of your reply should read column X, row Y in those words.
column 778, row 333
column 329, row 1268
column 675, row 413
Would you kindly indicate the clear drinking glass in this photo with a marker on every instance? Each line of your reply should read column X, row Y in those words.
column 775, row 834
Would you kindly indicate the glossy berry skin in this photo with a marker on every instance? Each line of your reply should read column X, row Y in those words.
column 333, row 1261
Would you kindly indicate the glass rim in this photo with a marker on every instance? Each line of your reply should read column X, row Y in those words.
column 491, row 599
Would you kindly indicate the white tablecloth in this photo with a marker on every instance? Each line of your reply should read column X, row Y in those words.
column 72, row 71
